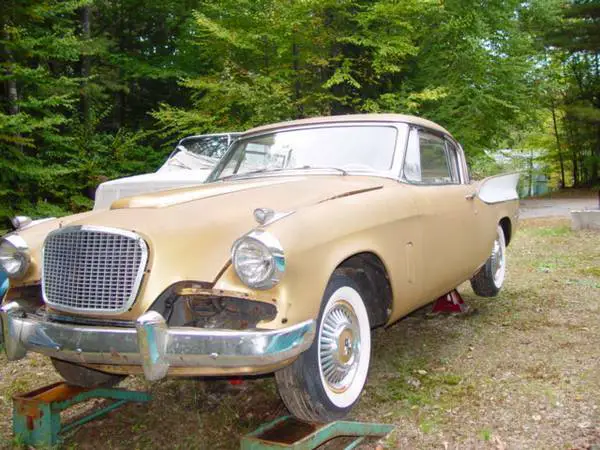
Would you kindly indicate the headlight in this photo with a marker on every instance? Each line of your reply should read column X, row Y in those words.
column 14, row 256
column 19, row 222
column 258, row 259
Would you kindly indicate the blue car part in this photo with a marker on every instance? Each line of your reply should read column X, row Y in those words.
column 3, row 283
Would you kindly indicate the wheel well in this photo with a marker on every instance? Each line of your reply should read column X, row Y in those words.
column 370, row 273
column 507, row 228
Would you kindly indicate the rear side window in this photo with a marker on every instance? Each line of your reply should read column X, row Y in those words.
column 431, row 161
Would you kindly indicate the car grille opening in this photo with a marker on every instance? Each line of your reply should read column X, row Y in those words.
column 93, row 269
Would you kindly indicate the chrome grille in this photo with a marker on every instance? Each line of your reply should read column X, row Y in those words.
column 93, row 269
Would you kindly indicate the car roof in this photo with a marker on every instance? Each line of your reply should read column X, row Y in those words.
column 351, row 118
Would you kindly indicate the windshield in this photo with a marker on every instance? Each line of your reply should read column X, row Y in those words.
column 211, row 146
column 346, row 148
column 197, row 152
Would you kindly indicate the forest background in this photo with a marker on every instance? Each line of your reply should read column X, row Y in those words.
column 97, row 89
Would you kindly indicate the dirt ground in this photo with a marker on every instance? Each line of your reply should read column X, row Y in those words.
column 521, row 371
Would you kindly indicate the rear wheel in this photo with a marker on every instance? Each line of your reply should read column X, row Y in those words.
column 490, row 278
column 83, row 376
column 325, row 382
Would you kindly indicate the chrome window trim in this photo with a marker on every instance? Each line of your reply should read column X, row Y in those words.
column 108, row 230
column 402, row 132
column 461, row 162
column 463, row 173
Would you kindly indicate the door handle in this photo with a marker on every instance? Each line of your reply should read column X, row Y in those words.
column 471, row 196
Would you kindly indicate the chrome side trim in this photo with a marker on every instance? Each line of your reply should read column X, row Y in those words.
column 152, row 344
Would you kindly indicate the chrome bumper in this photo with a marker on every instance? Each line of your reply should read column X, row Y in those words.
column 151, row 344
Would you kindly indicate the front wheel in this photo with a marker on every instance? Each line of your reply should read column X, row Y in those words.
column 490, row 278
column 325, row 382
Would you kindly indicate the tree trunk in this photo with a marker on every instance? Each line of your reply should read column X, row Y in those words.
column 85, row 66
column 297, row 91
column 595, row 176
column 531, row 192
column 11, row 84
column 558, row 147
column 574, row 157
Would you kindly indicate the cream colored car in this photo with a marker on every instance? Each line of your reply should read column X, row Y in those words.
column 307, row 236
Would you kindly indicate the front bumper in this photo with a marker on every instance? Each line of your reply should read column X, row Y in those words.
column 151, row 344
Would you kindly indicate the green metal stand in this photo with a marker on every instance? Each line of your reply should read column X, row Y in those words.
column 36, row 414
column 290, row 433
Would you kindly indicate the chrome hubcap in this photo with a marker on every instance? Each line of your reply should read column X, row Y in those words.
column 339, row 346
column 498, row 261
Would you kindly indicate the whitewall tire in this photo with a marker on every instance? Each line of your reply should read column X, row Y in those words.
column 326, row 381
column 488, row 281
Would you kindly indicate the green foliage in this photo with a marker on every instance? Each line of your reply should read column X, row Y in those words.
column 573, row 50
column 98, row 89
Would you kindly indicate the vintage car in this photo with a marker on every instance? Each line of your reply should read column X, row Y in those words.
column 189, row 164
column 306, row 236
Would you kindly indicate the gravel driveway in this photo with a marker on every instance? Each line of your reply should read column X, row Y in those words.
column 554, row 207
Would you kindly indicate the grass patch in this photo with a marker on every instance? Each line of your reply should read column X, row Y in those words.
column 521, row 371
column 485, row 434
column 558, row 231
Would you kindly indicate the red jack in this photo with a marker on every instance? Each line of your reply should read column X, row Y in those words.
column 451, row 302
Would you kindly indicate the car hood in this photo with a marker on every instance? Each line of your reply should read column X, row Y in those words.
column 190, row 231
column 274, row 192
column 108, row 192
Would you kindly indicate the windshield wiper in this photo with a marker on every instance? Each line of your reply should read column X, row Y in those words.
column 239, row 175
column 281, row 169
column 177, row 163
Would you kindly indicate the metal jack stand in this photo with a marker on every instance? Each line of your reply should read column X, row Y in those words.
column 36, row 414
column 290, row 433
column 452, row 302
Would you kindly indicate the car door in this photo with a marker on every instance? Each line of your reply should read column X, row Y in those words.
column 433, row 166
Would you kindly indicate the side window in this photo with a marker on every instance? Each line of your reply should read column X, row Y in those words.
column 429, row 161
column 453, row 159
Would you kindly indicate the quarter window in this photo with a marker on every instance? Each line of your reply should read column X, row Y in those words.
column 453, row 159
